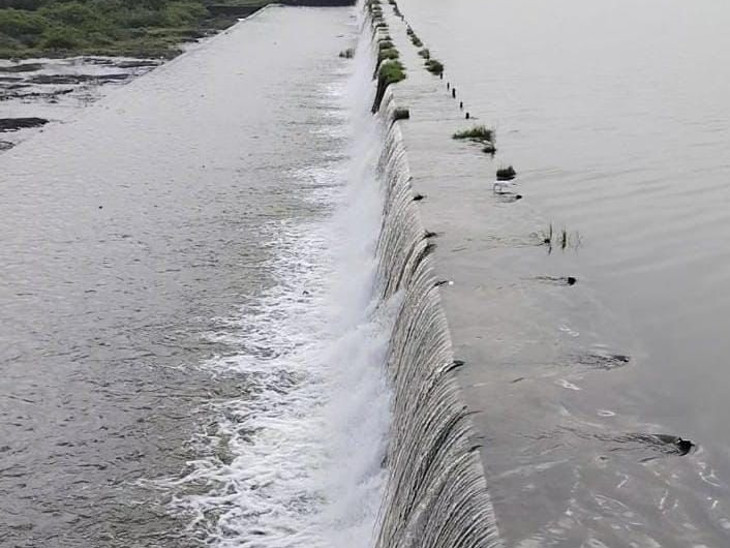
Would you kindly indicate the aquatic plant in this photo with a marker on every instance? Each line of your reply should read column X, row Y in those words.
column 425, row 53
column 475, row 133
column 434, row 67
column 562, row 239
column 416, row 41
column 401, row 114
column 547, row 235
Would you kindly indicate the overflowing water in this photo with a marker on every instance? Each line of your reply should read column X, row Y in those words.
column 190, row 351
column 226, row 322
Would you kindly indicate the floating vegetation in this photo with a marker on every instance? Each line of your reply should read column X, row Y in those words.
column 424, row 53
column 434, row 67
column 349, row 53
column 476, row 133
column 506, row 173
column 401, row 114
column 558, row 280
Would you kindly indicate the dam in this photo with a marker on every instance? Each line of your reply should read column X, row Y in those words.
column 247, row 302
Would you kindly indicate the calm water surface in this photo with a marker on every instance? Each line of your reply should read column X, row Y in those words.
column 616, row 117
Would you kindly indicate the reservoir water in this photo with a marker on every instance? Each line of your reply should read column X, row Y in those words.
column 615, row 116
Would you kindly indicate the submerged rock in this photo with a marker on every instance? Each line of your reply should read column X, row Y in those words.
column 506, row 174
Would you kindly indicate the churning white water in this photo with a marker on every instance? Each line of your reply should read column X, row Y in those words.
column 296, row 460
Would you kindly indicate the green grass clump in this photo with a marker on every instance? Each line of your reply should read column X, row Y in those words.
column 476, row 133
column 401, row 114
column 388, row 54
column 392, row 72
column 425, row 53
column 434, row 67
column 385, row 43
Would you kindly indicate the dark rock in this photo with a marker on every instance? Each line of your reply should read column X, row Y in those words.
column 506, row 174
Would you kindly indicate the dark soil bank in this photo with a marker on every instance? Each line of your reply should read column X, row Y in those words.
column 14, row 124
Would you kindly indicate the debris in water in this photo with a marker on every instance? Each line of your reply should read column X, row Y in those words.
column 506, row 174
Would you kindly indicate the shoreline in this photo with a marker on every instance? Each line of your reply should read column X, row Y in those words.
column 156, row 42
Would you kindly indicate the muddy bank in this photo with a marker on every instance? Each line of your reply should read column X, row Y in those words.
column 14, row 124
column 36, row 91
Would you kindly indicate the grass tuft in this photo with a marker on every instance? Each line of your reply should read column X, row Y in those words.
column 389, row 54
column 476, row 133
column 425, row 53
column 390, row 72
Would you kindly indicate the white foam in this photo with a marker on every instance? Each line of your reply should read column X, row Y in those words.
column 297, row 459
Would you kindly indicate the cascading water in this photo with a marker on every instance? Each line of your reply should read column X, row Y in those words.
column 352, row 433
column 436, row 494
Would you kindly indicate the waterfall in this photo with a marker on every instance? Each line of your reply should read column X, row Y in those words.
column 436, row 493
